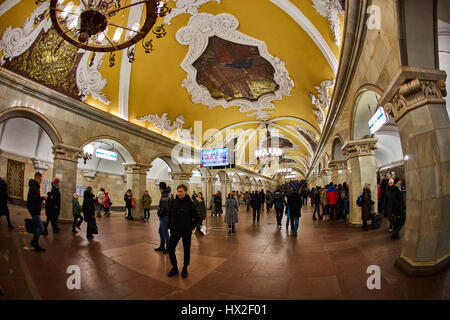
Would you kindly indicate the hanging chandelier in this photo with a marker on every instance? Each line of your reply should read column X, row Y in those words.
column 108, row 25
column 269, row 153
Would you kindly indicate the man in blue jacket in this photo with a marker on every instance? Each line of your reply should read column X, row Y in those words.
column 34, row 205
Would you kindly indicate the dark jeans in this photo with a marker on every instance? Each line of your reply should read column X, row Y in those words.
column 77, row 221
column 279, row 216
column 53, row 220
column 256, row 210
column 294, row 224
column 173, row 242
column 88, row 229
column 345, row 209
column 38, row 227
column 317, row 209
column 164, row 232
column 333, row 210
column 146, row 213
column 129, row 216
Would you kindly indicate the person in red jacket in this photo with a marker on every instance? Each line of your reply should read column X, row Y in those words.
column 107, row 205
column 332, row 197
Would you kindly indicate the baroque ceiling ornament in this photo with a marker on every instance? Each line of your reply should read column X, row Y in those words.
column 185, row 6
column 164, row 124
column 322, row 100
column 331, row 9
column 15, row 42
column 203, row 26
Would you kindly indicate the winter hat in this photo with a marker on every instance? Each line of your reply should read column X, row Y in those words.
column 56, row 181
column 162, row 185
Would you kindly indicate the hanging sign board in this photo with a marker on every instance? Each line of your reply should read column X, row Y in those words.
column 378, row 120
column 105, row 154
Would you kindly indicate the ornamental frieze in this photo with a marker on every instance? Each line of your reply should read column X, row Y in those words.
column 360, row 148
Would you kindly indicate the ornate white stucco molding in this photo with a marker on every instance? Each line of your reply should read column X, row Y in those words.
column 164, row 124
column 15, row 42
column 40, row 165
column 89, row 174
column 331, row 9
column 185, row 6
column 89, row 79
column 203, row 26
column 322, row 100
column 6, row 5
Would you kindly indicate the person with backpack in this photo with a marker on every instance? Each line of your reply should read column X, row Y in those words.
column 279, row 203
column 107, row 205
column 367, row 204
column 76, row 212
column 128, row 198
column 316, row 201
column 163, row 215
column 146, row 204
column 332, row 197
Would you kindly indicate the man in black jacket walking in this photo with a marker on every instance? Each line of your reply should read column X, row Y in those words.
column 183, row 218
column 53, row 207
column 163, row 215
column 256, row 205
column 34, row 205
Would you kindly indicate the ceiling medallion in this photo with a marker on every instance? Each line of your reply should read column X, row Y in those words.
column 107, row 25
column 198, row 34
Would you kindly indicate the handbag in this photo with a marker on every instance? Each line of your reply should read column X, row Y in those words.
column 29, row 225
column 93, row 228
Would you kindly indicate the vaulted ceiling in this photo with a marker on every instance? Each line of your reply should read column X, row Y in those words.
column 285, row 45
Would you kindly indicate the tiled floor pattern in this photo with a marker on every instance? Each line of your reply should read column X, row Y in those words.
column 328, row 260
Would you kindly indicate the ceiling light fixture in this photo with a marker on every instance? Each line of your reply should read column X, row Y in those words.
column 269, row 153
column 98, row 25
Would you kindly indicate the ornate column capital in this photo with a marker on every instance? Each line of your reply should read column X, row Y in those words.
column 181, row 175
column 66, row 152
column 337, row 164
column 360, row 148
column 412, row 88
column 136, row 168
column 89, row 174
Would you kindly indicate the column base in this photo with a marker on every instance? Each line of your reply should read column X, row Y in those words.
column 65, row 220
column 412, row 268
column 355, row 224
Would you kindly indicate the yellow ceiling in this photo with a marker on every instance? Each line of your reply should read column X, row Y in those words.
column 155, row 85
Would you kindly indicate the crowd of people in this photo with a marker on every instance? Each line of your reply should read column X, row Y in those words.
column 179, row 216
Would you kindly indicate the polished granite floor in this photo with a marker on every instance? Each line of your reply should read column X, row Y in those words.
column 328, row 260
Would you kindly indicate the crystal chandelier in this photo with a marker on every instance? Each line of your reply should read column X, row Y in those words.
column 107, row 25
column 269, row 153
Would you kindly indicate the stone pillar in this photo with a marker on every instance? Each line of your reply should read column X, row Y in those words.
column 415, row 98
column 338, row 171
column 65, row 169
column 136, row 181
column 326, row 176
column 362, row 169
column 180, row 178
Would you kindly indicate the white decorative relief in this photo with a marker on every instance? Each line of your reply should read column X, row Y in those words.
column 331, row 9
column 300, row 128
column 40, row 165
column 203, row 26
column 322, row 100
column 185, row 6
column 89, row 174
column 16, row 41
column 164, row 124
column 89, row 79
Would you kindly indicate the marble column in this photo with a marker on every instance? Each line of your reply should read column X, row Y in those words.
column 136, row 181
column 338, row 171
column 362, row 169
column 326, row 176
column 180, row 178
column 65, row 169
column 415, row 99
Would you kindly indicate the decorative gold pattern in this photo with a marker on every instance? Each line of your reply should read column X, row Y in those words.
column 51, row 61
column 15, row 179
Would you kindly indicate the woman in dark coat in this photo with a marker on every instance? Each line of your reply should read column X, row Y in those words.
column 201, row 208
column 367, row 206
column 128, row 198
column 231, row 216
column 89, row 210
column 398, row 209
column 4, row 197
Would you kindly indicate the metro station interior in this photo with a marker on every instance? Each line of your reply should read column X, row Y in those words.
column 299, row 94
